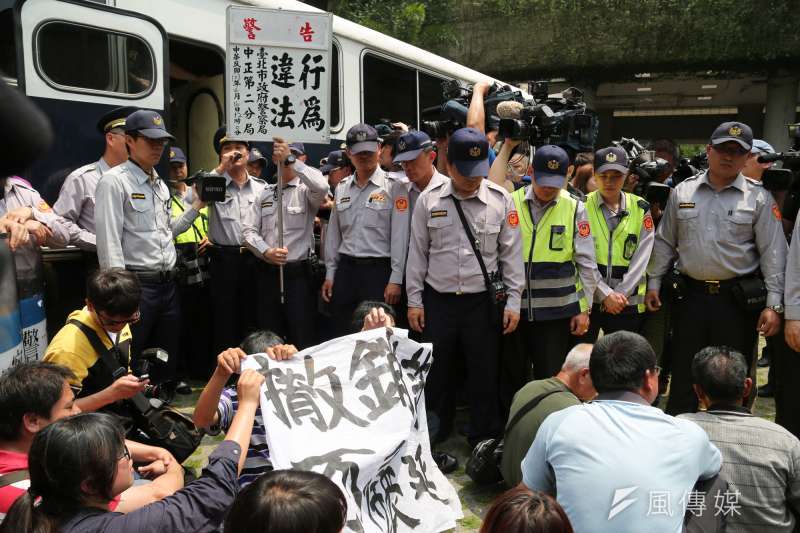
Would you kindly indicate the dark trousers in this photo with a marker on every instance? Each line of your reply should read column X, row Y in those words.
column 786, row 363
column 197, row 360
column 233, row 293
column 295, row 319
column 463, row 327
column 610, row 323
column 546, row 343
column 701, row 320
column 159, row 327
column 356, row 280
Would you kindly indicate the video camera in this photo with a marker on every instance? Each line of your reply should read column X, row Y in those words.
column 785, row 179
column 210, row 187
column 561, row 119
column 453, row 112
column 648, row 168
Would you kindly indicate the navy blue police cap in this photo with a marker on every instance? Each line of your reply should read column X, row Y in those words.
column 611, row 158
column 148, row 124
column 176, row 155
column 411, row 144
column 468, row 151
column 256, row 155
column 335, row 159
column 737, row 132
column 362, row 138
column 550, row 164
column 297, row 148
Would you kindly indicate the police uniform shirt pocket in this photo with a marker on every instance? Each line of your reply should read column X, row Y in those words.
column 441, row 230
column 739, row 225
column 295, row 216
column 489, row 234
column 141, row 216
column 688, row 223
column 378, row 210
column 227, row 209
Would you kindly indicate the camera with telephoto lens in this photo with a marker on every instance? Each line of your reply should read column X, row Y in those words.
column 452, row 114
column 142, row 366
column 648, row 168
column 786, row 179
column 561, row 119
column 210, row 187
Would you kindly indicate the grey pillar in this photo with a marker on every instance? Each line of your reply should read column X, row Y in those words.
column 780, row 109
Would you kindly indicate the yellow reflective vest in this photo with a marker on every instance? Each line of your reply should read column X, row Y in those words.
column 553, row 289
column 615, row 249
column 199, row 228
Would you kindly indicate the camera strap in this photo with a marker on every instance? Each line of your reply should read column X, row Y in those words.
column 111, row 363
column 474, row 244
column 527, row 408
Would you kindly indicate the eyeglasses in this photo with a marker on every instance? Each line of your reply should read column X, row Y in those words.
column 126, row 454
column 733, row 151
column 133, row 319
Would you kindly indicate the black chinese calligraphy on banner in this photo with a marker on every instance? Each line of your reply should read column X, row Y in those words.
column 353, row 409
column 278, row 75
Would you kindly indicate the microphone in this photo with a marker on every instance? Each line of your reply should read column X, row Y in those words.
column 509, row 110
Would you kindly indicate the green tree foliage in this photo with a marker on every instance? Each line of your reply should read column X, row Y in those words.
column 423, row 23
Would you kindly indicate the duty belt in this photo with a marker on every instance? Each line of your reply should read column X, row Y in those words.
column 292, row 268
column 710, row 286
column 363, row 260
column 225, row 249
column 155, row 276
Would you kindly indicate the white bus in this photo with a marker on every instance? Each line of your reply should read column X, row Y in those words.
column 77, row 59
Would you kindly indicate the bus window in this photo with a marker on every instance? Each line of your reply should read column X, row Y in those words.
column 335, row 114
column 8, row 51
column 122, row 64
column 390, row 91
column 430, row 91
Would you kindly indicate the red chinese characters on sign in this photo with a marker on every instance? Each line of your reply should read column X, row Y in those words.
column 250, row 27
column 306, row 32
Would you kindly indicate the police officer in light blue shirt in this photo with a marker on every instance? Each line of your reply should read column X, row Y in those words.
column 617, row 464
column 135, row 231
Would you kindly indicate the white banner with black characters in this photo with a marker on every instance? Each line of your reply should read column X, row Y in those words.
column 353, row 409
column 277, row 74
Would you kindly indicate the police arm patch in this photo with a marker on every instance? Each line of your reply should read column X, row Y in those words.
column 513, row 219
column 776, row 211
column 584, row 230
column 648, row 223
column 43, row 206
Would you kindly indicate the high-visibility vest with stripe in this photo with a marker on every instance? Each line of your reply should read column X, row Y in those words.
column 199, row 228
column 553, row 289
column 615, row 249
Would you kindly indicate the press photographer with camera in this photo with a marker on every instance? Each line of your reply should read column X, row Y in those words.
column 725, row 232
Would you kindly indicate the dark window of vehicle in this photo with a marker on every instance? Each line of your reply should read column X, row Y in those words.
column 8, row 49
column 121, row 64
column 430, row 91
column 335, row 113
column 390, row 91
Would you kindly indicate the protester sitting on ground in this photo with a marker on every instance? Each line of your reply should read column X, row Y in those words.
column 112, row 304
column 34, row 395
column 606, row 457
column 79, row 464
column 760, row 459
column 570, row 386
column 371, row 314
column 289, row 501
column 218, row 404
column 521, row 510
